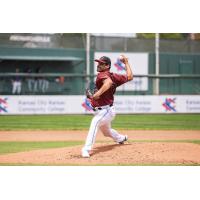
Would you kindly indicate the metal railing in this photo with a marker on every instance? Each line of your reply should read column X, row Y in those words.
column 75, row 84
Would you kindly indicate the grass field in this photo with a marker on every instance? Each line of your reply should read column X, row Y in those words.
column 82, row 122
column 14, row 147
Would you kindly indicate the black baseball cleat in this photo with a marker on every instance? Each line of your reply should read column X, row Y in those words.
column 124, row 140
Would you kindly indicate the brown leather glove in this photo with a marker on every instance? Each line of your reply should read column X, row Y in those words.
column 88, row 93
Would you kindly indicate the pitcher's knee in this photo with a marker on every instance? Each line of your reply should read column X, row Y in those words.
column 106, row 134
column 105, row 130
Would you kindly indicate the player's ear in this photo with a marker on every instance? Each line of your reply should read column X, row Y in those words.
column 107, row 66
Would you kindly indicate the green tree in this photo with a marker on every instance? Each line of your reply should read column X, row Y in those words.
column 162, row 35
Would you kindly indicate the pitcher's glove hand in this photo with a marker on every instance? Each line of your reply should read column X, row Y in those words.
column 88, row 93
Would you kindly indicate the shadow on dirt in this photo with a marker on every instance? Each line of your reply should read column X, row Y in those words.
column 106, row 148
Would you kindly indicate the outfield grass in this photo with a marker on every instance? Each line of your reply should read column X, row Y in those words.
column 82, row 122
column 14, row 147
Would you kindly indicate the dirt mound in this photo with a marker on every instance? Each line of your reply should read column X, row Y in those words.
column 112, row 154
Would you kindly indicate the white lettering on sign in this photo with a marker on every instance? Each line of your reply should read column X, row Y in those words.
column 75, row 104
column 23, row 38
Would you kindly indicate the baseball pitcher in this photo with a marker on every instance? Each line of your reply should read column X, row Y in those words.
column 102, row 102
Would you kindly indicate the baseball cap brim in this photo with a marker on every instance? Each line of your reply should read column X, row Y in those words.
column 100, row 61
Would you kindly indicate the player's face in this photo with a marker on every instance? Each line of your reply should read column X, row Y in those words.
column 101, row 67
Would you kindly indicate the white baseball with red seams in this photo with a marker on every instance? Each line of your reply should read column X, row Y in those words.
column 121, row 58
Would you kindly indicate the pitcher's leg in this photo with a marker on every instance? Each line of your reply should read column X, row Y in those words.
column 118, row 137
column 91, row 134
column 90, row 137
column 108, row 132
column 100, row 115
column 105, row 127
column 105, row 130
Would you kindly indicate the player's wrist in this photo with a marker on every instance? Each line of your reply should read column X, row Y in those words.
column 126, row 62
column 96, row 96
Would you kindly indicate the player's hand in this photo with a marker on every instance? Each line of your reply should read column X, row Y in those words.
column 124, row 59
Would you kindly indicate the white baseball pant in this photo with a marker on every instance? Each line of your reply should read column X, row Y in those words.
column 102, row 120
column 16, row 87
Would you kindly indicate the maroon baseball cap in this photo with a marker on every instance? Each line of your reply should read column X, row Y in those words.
column 104, row 59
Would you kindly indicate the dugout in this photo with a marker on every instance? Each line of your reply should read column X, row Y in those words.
column 71, row 64
column 44, row 61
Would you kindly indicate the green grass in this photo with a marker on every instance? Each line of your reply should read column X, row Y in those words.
column 82, row 122
column 14, row 147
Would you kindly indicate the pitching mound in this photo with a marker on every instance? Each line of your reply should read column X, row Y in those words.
column 112, row 154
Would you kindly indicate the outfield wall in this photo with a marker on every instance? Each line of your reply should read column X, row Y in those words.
column 78, row 104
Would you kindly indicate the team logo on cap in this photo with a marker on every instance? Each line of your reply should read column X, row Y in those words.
column 3, row 105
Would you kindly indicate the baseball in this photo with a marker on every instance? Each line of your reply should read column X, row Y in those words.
column 121, row 58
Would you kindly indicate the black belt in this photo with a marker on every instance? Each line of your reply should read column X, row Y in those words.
column 99, row 108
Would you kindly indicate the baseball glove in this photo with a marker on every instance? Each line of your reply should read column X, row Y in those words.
column 88, row 93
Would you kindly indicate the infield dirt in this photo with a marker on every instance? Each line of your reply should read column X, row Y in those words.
column 105, row 151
